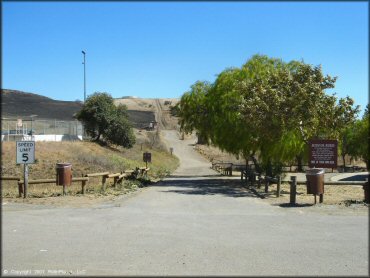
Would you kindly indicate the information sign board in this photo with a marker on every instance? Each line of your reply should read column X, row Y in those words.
column 323, row 153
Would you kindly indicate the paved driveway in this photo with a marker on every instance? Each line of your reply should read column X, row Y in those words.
column 193, row 223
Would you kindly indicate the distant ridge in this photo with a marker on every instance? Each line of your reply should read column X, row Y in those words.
column 16, row 103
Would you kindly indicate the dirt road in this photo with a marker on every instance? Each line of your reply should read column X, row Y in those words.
column 193, row 223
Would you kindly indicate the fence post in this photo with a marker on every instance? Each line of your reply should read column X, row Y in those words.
column 83, row 186
column 278, row 186
column 293, row 189
column 115, row 182
column 267, row 182
column 103, row 181
column 321, row 198
column 20, row 189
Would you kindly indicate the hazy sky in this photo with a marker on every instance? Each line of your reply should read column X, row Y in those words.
column 159, row 49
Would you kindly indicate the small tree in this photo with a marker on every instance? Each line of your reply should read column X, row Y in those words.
column 102, row 119
column 119, row 131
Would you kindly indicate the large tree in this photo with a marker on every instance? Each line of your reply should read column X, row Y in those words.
column 267, row 110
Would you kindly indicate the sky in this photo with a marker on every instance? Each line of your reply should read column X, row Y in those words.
column 159, row 49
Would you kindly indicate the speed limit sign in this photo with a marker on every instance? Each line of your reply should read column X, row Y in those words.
column 25, row 152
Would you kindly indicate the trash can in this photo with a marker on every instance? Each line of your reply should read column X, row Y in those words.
column 315, row 181
column 64, row 174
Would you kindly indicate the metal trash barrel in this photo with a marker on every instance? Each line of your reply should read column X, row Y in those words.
column 315, row 181
column 64, row 174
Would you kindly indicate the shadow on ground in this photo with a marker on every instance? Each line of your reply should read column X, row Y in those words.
column 288, row 205
column 229, row 188
column 361, row 177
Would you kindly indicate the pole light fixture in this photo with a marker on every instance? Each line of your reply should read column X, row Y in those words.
column 84, row 63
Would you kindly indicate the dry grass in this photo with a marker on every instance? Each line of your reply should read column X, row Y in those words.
column 86, row 157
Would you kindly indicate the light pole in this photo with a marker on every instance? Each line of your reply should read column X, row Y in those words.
column 32, row 116
column 84, row 63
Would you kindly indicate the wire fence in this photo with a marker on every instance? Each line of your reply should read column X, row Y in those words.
column 12, row 129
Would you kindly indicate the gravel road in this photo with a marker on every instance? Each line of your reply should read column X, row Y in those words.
column 193, row 223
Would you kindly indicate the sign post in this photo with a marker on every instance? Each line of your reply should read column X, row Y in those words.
column 25, row 155
column 147, row 157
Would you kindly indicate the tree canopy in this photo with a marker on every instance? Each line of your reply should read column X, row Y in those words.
column 266, row 109
column 105, row 122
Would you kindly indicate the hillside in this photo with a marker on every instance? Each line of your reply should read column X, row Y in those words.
column 21, row 104
column 18, row 104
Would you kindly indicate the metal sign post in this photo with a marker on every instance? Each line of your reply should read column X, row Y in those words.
column 25, row 155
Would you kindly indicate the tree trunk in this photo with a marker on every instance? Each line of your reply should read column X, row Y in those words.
column 299, row 163
column 344, row 161
column 201, row 139
column 255, row 162
column 269, row 169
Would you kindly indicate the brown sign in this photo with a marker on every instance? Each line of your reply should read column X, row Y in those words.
column 323, row 153
column 147, row 157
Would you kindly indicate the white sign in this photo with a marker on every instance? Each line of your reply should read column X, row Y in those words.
column 19, row 122
column 25, row 152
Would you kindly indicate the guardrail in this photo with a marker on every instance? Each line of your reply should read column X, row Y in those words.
column 117, row 177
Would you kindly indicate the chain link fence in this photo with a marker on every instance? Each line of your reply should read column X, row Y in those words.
column 16, row 129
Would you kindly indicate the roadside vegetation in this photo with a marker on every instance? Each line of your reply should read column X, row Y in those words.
column 86, row 157
column 267, row 110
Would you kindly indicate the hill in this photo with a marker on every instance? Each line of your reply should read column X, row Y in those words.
column 21, row 104
column 18, row 104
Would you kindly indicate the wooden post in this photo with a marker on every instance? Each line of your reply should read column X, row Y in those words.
column 83, row 186
column 115, row 182
column 321, row 198
column 267, row 182
column 20, row 189
column 64, row 190
column 103, row 181
column 278, row 186
column 293, row 189
column 25, row 184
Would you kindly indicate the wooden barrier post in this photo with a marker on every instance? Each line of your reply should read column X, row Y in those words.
column 103, row 182
column 25, row 183
column 278, row 186
column 293, row 189
column 83, row 184
column 267, row 183
column 20, row 189
column 321, row 198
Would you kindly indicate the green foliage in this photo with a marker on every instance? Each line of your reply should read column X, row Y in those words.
column 105, row 122
column 267, row 108
column 357, row 139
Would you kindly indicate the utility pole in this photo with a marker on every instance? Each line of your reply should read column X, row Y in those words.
column 84, row 63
